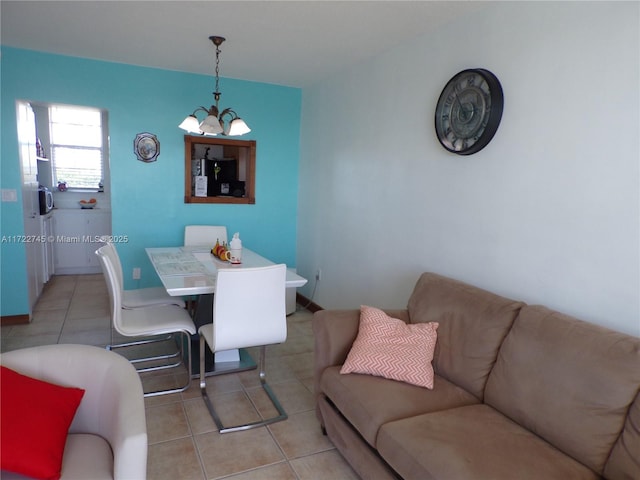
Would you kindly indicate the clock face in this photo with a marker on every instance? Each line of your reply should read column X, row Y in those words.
column 469, row 111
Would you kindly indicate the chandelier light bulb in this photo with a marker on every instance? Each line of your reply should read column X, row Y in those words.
column 211, row 125
column 190, row 124
column 238, row 127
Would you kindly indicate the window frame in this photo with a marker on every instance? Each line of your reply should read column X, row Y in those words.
column 246, row 156
column 103, row 149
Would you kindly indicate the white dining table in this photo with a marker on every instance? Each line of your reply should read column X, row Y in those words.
column 192, row 270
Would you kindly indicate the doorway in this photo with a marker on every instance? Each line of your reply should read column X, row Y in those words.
column 53, row 137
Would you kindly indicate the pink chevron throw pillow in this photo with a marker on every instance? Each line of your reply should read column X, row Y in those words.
column 388, row 347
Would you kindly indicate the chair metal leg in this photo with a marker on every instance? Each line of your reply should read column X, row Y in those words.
column 164, row 338
column 165, row 356
column 282, row 415
column 148, row 341
column 185, row 338
column 138, row 342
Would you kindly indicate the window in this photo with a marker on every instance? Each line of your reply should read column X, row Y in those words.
column 219, row 170
column 77, row 146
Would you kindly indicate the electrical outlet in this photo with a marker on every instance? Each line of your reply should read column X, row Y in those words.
column 9, row 195
column 318, row 275
column 136, row 273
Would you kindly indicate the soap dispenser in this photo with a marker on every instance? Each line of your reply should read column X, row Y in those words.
column 235, row 248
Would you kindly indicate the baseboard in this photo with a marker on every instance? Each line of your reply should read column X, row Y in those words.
column 308, row 304
column 14, row 319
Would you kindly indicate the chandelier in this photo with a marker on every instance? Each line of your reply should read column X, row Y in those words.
column 225, row 122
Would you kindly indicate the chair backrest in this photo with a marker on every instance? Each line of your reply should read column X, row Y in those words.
column 113, row 284
column 249, row 307
column 204, row 234
column 115, row 260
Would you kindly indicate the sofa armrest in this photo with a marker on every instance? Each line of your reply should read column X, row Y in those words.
column 333, row 332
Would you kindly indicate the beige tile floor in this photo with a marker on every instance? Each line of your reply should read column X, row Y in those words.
column 183, row 440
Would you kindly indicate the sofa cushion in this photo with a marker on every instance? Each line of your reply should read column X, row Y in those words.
column 390, row 348
column 368, row 401
column 473, row 442
column 472, row 324
column 580, row 382
column 35, row 420
column 624, row 461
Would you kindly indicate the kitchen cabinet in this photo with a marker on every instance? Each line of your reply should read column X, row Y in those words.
column 77, row 237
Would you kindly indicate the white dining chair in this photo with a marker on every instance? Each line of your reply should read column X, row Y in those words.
column 205, row 235
column 248, row 311
column 144, row 322
column 140, row 297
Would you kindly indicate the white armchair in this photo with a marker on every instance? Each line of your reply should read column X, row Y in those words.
column 108, row 436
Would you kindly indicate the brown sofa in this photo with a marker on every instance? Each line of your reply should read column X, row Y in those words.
column 520, row 392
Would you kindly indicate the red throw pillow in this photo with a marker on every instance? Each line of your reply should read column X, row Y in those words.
column 34, row 421
column 389, row 348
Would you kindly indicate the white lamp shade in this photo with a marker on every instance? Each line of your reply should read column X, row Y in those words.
column 190, row 124
column 211, row 125
column 238, row 127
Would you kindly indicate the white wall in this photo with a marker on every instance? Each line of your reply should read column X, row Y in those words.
column 548, row 212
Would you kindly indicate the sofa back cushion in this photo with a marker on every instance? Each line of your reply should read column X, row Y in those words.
column 568, row 381
column 472, row 324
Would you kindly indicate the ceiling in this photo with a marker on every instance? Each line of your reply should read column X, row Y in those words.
column 293, row 43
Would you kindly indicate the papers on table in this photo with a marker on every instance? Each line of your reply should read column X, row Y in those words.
column 177, row 263
column 190, row 268
column 171, row 257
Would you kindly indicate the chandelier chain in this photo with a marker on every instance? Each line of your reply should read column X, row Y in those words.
column 217, row 92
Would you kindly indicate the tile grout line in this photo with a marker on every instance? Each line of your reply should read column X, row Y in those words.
column 192, row 437
column 66, row 315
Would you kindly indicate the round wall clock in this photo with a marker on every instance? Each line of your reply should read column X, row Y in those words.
column 146, row 147
column 469, row 111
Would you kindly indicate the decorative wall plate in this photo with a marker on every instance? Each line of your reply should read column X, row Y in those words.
column 146, row 147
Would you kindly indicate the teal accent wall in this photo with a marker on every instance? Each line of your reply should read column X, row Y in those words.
column 148, row 199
